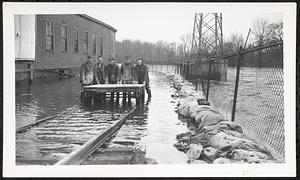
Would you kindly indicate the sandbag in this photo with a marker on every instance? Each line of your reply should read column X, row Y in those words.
column 232, row 126
column 221, row 160
column 207, row 117
column 187, row 134
column 252, row 146
column 225, row 142
column 193, row 161
column 232, row 133
column 217, row 139
column 195, row 151
column 200, row 138
column 223, row 125
column 210, row 154
column 253, row 159
column 247, row 156
column 184, row 106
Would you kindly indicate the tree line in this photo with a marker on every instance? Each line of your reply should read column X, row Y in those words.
column 161, row 52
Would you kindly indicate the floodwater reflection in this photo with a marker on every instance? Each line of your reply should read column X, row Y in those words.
column 153, row 126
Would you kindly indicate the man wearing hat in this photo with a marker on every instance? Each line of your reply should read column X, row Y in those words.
column 127, row 74
column 141, row 74
column 99, row 71
column 127, row 71
column 99, row 75
column 112, row 74
column 86, row 72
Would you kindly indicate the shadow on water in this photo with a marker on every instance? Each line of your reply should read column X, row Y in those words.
column 113, row 105
column 134, row 128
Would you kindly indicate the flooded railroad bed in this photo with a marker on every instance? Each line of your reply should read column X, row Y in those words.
column 152, row 129
column 49, row 142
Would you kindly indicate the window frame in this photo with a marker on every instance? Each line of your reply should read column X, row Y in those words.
column 87, row 44
column 65, row 38
column 77, row 39
column 46, row 35
column 101, row 51
column 94, row 44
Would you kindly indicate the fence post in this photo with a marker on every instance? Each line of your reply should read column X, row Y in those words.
column 208, row 79
column 189, row 71
column 237, row 78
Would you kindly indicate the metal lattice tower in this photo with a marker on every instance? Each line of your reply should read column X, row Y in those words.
column 207, row 36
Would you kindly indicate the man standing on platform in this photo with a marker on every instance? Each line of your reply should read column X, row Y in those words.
column 86, row 72
column 99, row 75
column 127, row 71
column 141, row 75
column 99, row 71
column 127, row 74
column 112, row 74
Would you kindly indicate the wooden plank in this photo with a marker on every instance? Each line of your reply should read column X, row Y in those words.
column 139, row 88
column 79, row 155
column 113, row 90
column 108, row 86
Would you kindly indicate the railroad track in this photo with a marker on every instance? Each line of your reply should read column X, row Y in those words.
column 70, row 140
column 79, row 155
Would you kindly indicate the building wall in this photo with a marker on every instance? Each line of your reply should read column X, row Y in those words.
column 24, row 37
column 46, row 59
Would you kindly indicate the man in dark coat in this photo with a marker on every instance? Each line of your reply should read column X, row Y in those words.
column 127, row 74
column 87, row 72
column 127, row 71
column 99, row 71
column 99, row 75
column 112, row 74
column 141, row 74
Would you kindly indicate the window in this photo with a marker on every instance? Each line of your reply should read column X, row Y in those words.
column 101, row 45
column 94, row 43
column 63, row 38
column 49, row 36
column 76, row 40
column 85, row 42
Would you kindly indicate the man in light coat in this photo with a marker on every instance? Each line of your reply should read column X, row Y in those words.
column 87, row 72
column 141, row 75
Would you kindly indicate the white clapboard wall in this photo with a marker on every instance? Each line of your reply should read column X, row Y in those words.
column 25, row 37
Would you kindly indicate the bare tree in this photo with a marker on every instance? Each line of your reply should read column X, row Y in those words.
column 275, row 31
column 186, row 44
column 260, row 29
column 237, row 41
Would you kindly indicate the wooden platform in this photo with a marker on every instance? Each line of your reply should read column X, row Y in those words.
column 132, row 90
column 114, row 88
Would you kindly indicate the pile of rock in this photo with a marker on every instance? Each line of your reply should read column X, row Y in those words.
column 215, row 139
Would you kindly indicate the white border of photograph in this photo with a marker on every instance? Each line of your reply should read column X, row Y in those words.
column 10, row 169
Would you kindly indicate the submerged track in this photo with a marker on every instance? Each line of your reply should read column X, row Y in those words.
column 79, row 155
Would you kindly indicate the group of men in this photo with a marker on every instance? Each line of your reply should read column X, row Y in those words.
column 92, row 73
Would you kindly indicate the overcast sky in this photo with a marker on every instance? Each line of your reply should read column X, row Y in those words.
column 154, row 22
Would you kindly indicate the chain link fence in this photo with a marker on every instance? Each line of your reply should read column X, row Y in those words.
column 247, row 87
column 260, row 98
column 170, row 69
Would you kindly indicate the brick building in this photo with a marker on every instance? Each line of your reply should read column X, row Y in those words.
column 50, row 44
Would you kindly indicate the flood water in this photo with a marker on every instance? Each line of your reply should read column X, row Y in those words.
column 153, row 127
column 259, row 108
